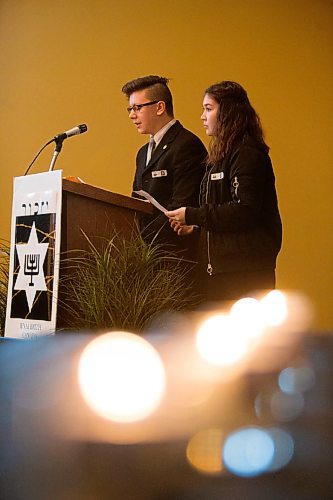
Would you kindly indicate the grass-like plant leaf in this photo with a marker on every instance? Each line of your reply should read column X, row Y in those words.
column 123, row 284
column 4, row 275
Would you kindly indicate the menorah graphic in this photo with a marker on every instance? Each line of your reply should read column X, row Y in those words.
column 31, row 266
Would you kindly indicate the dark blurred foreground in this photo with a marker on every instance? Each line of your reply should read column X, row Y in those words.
column 39, row 463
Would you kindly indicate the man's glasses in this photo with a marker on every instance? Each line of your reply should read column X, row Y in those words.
column 137, row 107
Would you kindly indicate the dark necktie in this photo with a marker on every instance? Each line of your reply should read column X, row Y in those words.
column 153, row 145
column 151, row 148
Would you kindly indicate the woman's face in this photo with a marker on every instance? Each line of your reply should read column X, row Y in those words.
column 209, row 115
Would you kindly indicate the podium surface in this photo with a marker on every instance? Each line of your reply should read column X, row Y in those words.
column 97, row 212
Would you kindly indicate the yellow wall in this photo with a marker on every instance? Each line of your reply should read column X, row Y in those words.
column 64, row 62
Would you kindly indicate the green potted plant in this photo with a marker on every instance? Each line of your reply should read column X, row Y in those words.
column 4, row 273
column 123, row 284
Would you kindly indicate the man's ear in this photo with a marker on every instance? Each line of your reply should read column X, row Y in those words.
column 161, row 108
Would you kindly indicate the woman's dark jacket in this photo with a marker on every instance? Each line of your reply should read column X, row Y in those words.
column 238, row 215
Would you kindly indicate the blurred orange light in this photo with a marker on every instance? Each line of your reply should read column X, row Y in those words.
column 204, row 451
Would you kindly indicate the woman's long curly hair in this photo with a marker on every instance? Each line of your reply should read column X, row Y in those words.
column 236, row 120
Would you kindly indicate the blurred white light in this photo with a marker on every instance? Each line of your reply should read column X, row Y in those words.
column 121, row 376
column 286, row 407
column 274, row 308
column 221, row 340
column 248, row 451
column 283, row 448
column 297, row 379
column 248, row 312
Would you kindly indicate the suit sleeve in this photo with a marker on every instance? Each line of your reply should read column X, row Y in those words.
column 140, row 160
column 188, row 170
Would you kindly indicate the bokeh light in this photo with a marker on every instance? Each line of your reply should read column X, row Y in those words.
column 283, row 448
column 296, row 379
column 121, row 377
column 286, row 407
column 248, row 313
column 204, row 451
column 274, row 308
column 221, row 340
column 248, row 451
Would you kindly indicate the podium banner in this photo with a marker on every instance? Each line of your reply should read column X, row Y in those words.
column 34, row 256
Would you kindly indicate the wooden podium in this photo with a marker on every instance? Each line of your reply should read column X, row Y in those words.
column 97, row 212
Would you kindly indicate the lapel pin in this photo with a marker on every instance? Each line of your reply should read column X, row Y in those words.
column 164, row 147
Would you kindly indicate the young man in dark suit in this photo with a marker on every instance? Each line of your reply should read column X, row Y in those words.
column 171, row 166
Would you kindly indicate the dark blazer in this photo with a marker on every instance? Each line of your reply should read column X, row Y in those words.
column 173, row 177
column 239, row 217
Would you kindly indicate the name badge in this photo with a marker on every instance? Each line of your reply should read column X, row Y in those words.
column 159, row 173
column 217, row 176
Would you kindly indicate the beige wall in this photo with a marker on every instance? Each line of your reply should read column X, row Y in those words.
column 64, row 62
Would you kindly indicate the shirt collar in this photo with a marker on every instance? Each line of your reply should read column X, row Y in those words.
column 159, row 135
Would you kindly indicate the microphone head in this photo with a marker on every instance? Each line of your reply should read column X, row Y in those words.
column 83, row 128
column 79, row 129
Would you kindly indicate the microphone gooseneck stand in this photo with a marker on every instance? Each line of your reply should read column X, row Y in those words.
column 58, row 145
column 35, row 158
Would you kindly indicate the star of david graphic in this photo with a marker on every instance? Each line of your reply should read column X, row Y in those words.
column 31, row 257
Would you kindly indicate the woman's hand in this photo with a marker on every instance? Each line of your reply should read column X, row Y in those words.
column 177, row 221
column 185, row 230
column 177, row 215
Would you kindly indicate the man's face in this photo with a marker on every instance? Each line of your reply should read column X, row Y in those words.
column 146, row 119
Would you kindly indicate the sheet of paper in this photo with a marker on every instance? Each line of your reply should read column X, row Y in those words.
column 151, row 200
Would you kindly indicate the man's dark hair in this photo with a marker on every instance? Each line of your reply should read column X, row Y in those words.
column 156, row 88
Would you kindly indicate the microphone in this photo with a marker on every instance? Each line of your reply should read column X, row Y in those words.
column 58, row 139
column 80, row 129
